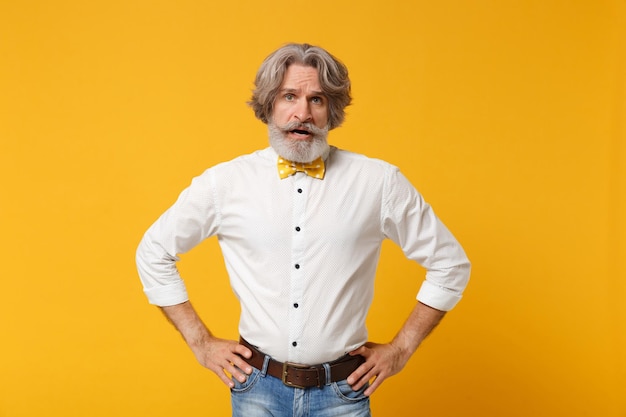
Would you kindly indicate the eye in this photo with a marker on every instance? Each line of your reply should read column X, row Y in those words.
column 289, row 97
column 317, row 100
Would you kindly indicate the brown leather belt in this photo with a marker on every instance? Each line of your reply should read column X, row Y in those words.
column 304, row 376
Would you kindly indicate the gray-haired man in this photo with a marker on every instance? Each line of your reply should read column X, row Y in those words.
column 300, row 225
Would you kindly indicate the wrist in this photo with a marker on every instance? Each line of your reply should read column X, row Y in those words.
column 404, row 347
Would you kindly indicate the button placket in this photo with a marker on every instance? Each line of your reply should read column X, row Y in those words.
column 296, row 324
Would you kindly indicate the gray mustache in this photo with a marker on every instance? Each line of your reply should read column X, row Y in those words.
column 303, row 126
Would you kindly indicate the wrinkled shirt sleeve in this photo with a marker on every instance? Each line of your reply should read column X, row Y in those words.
column 191, row 219
column 411, row 223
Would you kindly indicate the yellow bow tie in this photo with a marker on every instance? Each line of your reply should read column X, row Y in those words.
column 313, row 169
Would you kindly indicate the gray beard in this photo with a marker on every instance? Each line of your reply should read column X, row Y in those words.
column 298, row 150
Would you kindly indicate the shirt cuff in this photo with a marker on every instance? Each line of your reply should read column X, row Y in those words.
column 437, row 297
column 167, row 295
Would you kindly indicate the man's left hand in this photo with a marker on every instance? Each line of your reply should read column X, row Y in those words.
column 381, row 362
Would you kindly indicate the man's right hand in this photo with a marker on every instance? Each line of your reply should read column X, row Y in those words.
column 221, row 356
column 224, row 357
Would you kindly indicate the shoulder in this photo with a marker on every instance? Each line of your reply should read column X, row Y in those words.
column 356, row 161
column 376, row 173
column 260, row 157
column 243, row 163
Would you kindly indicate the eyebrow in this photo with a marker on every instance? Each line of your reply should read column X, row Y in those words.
column 295, row 90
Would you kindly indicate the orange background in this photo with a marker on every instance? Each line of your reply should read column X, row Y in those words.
column 508, row 116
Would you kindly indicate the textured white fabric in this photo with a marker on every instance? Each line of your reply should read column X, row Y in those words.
column 302, row 253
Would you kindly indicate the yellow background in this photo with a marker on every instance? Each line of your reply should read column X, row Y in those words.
column 509, row 117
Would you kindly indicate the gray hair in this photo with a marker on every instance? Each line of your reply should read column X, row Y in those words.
column 333, row 78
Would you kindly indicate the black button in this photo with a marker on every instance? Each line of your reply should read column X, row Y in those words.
column 294, row 344
column 297, row 266
column 300, row 190
column 297, row 228
column 296, row 305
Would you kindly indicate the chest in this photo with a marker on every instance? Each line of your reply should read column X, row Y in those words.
column 301, row 211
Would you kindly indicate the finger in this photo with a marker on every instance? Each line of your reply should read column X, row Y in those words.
column 355, row 375
column 236, row 366
column 226, row 380
column 220, row 371
column 230, row 365
column 361, row 376
column 357, row 351
column 363, row 351
column 375, row 384
column 239, row 369
column 243, row 351
column 239, row 359
column 236, row 372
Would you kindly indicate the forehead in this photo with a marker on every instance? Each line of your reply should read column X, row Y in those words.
column 299, row 76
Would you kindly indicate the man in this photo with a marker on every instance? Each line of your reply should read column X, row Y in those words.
column 300, row 225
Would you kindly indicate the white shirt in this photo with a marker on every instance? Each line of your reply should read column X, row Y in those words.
column 301, row 253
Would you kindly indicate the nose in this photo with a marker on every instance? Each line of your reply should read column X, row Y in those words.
column 302, row 111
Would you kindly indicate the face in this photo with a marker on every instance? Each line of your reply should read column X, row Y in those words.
column 300, row 99
column 299, row 124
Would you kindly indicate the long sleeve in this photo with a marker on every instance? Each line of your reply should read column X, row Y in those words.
column 411, row 223
column 188, row 222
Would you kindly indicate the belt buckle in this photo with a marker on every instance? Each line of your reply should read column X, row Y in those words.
column 287, row 365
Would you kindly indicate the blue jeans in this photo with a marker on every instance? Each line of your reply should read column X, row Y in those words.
column 263, row 395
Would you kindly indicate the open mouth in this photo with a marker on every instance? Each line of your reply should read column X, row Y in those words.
column 300, row 132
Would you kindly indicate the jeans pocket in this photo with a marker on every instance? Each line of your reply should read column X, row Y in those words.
column 345, row 392
column 248, row 384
